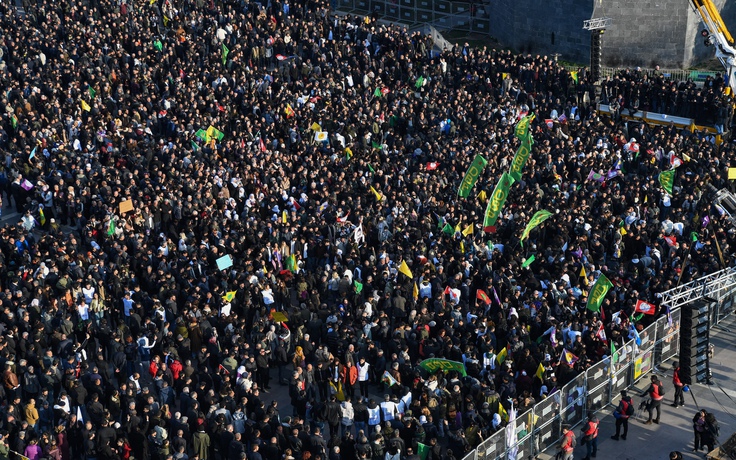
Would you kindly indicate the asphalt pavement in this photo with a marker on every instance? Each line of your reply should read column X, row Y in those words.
column 674, row 432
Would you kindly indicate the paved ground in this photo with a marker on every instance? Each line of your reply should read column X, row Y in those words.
column 675, row 430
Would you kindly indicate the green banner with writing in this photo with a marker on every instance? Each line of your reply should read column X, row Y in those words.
column 522, row 154
column 471, row 177
column 433, row 365
column 497, row 200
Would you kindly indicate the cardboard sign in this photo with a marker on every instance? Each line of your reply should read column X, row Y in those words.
column 126, row 206
column 732, row 173
column 224, row 262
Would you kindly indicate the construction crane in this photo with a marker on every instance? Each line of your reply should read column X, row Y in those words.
column 717, row 34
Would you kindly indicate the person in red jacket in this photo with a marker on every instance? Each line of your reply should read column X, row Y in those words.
column 590, row 436
column 677, row 383
column 655, row 391
column 567, row 444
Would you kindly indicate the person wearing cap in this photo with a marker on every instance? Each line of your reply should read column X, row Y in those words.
column 621, row 414
column 589, row 435
column 567, row 443
column 678, row 386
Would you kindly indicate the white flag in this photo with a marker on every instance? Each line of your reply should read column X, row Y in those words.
column 358, row 235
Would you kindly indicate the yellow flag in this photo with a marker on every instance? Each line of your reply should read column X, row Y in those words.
column 468, row 230
column 504, row 75
column 283, row 217
column 686, row 157
column 415, row 293
column 229, row 296
column 540, row 369
column 457, row 228
column 462, row 247
column 403, row 268
column 501, row 356
column 623, row 231
column 151, row 2
column 375, row 192
column 482, row 196
column 582, row 272
column 315, row 127
column 646, row 198
column 692, row 127
column 166, row 21
column 86, row 107
column 502, row 412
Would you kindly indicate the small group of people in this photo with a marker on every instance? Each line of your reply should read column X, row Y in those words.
column 705, row 426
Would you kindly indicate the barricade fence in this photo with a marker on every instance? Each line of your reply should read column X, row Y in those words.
column 595, row 390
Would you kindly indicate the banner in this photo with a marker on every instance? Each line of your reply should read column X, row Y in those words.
column 498, row 198
column 667, row 179
column 522, row 127
column 433, row 365
column 598, row 293
column 537, row 218
column 471, row 177
column 522, row 154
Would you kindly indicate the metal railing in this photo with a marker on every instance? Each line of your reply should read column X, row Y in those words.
column 697, row 76
column 596, row 389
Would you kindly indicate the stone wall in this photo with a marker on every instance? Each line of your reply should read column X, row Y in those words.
column 644, row 32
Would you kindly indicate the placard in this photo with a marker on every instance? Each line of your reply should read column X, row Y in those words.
column 126, row 206
column 224, row 262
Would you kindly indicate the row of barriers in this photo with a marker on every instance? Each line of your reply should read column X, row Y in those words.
column 597, row 389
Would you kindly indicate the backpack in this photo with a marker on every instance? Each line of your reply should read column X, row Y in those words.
column 628, row 408
column 661, row 389
column 573, row 441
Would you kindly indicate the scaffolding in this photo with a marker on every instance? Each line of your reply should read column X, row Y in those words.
column 719, row 286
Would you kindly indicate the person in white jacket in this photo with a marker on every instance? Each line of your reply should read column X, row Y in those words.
column 348, row 416
column 363, row 376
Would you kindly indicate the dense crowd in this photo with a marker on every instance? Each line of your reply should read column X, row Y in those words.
column 126, row 333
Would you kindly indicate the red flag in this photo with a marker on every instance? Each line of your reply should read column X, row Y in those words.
column 602, row 333
column 645, row 307
column 550, row 123
column 671, row 240
column 295, row 204
column 483, row 297
column 432, row 165
column 385, row 90
column 261, row 145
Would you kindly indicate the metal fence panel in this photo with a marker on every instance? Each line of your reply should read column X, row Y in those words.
column 407, row 14
column 442, row 7
column 471, row 456
column 425, row 16
column 525, row 447
column 597, row 374
column 574, row 401
column 548, row 435
column 620, row 381
column 547, row 408
column 493, row 447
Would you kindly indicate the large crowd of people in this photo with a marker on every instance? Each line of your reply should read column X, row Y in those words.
column 220, row 197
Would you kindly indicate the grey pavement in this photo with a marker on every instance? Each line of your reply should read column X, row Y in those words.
column 654, row 442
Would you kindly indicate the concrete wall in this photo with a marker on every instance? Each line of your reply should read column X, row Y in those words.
column 542, row 26
column 644, row 32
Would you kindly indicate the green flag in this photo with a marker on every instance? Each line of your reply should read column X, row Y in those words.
column 529, row 261
column 111, row 228
column 433, row 365
column 291, row 263
column 471, row 177
column 376, row 145
column 498, row 198
column 92, row 92
column 202, row 134
column 358, row 286
column 225, row 52
column 522, row 154
column 195, row 147
column 598, row 293
column 373, row 171
column 158, row 45
column 522, row 127
column 419, row 82
column 694, row 236
column 447, row 229
column 14, row 121
column 377, row 92
column 667, row 179
column 614, row 354
column 537, row 218
column 422, row 451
